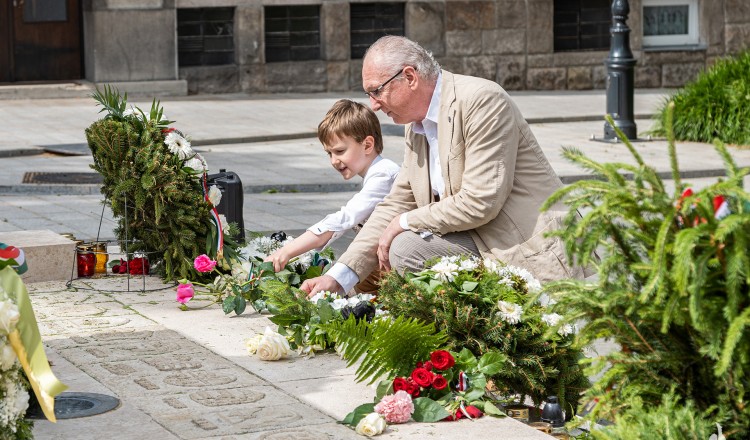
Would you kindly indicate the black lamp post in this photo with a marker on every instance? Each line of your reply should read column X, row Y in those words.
column 620, row 64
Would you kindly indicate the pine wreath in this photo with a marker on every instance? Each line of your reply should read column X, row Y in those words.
column 153, row 189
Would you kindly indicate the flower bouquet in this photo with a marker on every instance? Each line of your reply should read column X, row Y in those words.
column 447, row 386
column 14, row 395
column 486, row 307
column 241, row 278
column 303, row 320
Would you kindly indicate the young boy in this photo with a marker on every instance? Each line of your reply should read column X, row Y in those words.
column 350, row 134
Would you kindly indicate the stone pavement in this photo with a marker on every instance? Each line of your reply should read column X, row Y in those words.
column 186, row 374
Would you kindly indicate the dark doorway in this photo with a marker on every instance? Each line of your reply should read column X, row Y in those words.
column 40, row 40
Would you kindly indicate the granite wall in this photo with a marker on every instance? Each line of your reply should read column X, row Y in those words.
column 508, row 41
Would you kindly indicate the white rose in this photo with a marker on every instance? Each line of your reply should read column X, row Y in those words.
column 273, row 346
column 372, row 424
column 214, row 195
column 8, row 317
column 253, row 343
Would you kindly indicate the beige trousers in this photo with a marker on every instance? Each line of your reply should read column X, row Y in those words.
column 409, row 251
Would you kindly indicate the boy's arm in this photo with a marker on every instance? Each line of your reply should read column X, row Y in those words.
column 298, row 246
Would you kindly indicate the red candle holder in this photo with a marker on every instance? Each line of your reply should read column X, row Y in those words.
column 86, row 260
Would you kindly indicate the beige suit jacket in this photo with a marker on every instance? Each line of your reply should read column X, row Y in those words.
column 496, row 178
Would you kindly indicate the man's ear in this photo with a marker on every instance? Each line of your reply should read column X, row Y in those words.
column 369, row 143
column 412, row 79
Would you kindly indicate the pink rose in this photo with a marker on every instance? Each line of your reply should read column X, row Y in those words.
column 185, row 293
column 204, row 264
column 396, row 408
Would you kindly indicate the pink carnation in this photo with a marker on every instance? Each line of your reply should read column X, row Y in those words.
column 185, row 293
column 396, row 408
column 203, row 263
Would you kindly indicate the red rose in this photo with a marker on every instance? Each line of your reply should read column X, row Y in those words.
column 428, row 366
column 399, row 384
column 422, row 377
column 420, row 364
column 442, row 360
column 474, row 412
column 138, row 266
column 413, row 388
column 439, row 382
column 455, row 416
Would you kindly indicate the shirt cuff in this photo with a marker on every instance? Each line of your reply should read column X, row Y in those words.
column 402, row 221
column 346, row 277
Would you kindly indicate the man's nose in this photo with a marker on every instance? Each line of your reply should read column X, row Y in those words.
column 374, row 104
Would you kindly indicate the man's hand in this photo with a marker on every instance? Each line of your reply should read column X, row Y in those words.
column 323, row 282
column 279, row 260
column 384, row 244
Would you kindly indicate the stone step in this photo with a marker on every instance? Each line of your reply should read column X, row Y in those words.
column 49, row 255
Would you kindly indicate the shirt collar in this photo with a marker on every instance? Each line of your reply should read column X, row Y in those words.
column 377, row 159
column 433, row 111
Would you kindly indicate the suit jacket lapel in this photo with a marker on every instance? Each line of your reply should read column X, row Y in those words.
column 446, row 125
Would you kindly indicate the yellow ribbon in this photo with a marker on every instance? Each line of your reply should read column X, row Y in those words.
column 27, row 343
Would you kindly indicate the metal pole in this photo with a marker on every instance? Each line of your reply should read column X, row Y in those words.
column 620, row 64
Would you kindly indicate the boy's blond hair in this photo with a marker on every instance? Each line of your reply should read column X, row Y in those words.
column 349, row 118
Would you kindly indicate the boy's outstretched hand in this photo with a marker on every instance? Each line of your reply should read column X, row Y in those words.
column 279, row 260
column 323, row 282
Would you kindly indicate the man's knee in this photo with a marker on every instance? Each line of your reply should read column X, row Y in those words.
column 403, row 254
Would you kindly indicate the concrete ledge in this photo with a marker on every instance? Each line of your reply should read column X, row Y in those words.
column 49, row 255
column 176, row 87
column 77, row 89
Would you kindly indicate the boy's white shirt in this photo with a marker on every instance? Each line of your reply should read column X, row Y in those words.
column 376, row 185
column 380, row 168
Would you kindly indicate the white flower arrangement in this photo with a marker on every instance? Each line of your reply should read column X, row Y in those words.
column 261, row 247
column 15, row 398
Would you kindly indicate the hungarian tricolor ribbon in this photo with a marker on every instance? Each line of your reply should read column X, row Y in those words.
column 217, row 221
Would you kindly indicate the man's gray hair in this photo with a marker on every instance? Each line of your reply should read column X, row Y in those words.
column 393, row 52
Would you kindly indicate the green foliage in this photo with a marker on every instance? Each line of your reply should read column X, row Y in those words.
column 715, row 105
column 673, row 289
column 467, row 310
column 147, row 187
column 669, row 421
column 389, row 347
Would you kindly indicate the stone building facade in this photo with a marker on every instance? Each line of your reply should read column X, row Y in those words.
column 512, row 42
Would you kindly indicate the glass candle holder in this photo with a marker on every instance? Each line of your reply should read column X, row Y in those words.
column 86, row 261
column 100, row 251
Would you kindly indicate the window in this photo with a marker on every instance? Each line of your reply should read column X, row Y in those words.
column 292, row 33
column 670, row 22
column 205, row 36
column 582, row 24
column 370, row 21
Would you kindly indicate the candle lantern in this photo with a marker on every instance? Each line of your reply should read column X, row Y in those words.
column 100, row 251
column 86, row 260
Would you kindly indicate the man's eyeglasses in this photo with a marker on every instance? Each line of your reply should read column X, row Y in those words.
column 375, row 93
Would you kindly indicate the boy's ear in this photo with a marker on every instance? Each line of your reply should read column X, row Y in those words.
column 369, row 144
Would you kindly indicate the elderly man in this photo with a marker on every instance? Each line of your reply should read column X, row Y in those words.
column 472, row 181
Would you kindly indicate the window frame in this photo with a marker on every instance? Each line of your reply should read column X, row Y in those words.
column 692, row 38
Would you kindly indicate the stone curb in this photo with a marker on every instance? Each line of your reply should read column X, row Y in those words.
column 89, row 189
